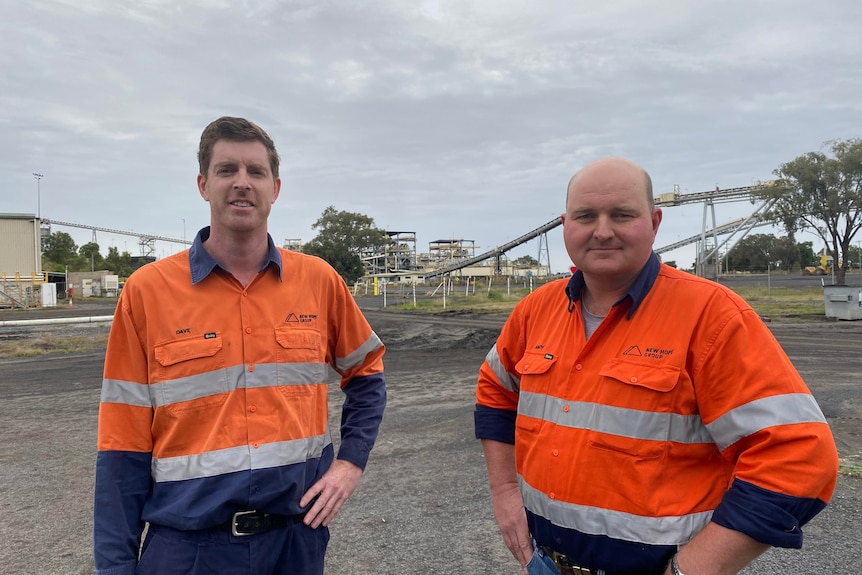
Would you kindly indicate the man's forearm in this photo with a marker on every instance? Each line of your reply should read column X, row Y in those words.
column 717, row 551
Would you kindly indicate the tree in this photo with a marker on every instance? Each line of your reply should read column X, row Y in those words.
column 855, row 254
column 341, row 238
column 824, row 194
column 89, row 253
column 784, row 253
column 119, row 263
column 807, row 257
column 526, row 261
column 752, row 253
column 58, row 251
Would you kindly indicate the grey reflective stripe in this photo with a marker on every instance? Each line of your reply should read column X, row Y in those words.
column 196, row 386
column 357, row 356
column 269, row 374
column 620, row 421
column 506, row 379
column 756, row 415
column 127, row 392
column 236, row 377
column 669, row 530
column 240, row 458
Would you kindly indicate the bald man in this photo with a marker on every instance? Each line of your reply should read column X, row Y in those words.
column 637, row 419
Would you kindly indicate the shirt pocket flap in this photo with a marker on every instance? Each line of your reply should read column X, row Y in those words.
column 297, row 338
column 655, row 377
column 178, row 351
column 535, row 363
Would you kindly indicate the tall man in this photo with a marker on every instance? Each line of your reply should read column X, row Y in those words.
column 639, row 420
column 213, row 424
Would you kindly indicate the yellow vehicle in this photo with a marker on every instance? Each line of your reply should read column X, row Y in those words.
column 823, row 269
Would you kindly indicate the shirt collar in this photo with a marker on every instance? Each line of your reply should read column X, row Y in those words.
column 637, row 291
column 202, row 263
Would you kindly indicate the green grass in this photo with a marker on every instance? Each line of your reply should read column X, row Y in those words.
column 788, row 304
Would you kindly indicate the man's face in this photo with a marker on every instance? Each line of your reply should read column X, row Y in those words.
column 239, row 187
column 609, row 227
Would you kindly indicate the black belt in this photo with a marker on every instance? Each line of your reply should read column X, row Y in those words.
column 565, row 565
column 253, row 522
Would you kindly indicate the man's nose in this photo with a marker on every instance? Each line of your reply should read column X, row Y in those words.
column 604, row 228
column 242, row 181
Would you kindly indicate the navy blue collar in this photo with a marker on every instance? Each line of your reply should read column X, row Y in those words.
column 637, row 291
column 202, row 263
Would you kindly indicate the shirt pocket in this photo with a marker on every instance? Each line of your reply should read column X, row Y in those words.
column 649, row 392
column 646, row 380
column 300, row 356
column 191, row 373
column 535, row 370
column 536, row 373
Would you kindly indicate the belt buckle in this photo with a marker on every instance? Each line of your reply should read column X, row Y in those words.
column 233, row 523
column 567, row 567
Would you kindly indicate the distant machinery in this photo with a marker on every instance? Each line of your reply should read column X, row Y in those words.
column 398, row 255
column 293, row 244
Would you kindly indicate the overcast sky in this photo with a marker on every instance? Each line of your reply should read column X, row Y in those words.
column 451, row 119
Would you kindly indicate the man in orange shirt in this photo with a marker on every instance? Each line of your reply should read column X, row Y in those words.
column 213, row 423
column 638, row 420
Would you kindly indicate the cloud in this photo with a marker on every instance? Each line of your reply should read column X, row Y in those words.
column 448, row 118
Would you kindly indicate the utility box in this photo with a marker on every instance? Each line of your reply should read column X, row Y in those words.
column 111, row 285
column 843, row 302
column 49, row 295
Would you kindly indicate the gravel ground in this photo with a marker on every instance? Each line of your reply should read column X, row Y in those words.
column 423, row 505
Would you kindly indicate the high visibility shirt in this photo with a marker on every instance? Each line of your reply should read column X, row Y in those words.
column 214, row 398
column 680, row 409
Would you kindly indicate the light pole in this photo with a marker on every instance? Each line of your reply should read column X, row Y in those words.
column 38, row 194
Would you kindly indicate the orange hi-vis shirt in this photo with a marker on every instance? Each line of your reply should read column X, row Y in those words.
column 214, row 397
column 680, row 409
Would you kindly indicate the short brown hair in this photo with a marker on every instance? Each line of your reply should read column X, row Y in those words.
column 235, row 130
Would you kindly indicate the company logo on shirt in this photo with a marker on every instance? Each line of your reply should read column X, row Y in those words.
column 300, row 318
column 653, row 352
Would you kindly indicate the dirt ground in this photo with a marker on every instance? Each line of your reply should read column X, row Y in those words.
column 423, row 505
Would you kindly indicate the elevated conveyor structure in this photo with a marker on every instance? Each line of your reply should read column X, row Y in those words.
column 674, row 198
column 496, row 252
column 146, row 241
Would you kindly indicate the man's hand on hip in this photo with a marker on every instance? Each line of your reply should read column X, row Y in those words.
column 331, row 491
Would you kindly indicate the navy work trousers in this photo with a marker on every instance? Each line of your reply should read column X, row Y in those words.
column 292, row 550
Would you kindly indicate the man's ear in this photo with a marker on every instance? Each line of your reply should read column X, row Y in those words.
column 202, row 187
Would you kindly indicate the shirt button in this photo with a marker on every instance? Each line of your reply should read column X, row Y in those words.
column 245, row 294
column 556, row 452
column 251, row 368
column 579, row 367
column 248, row 330
column 634, row 380
column 255, row 445
column 252, row 408
column 566, row 408
column 552, row 495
